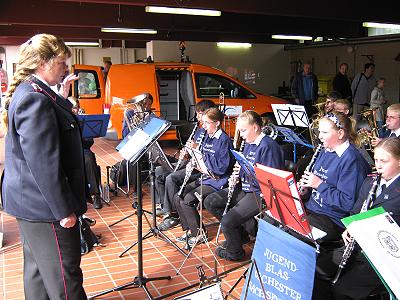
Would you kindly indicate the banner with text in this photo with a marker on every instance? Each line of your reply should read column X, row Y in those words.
column 286, row 266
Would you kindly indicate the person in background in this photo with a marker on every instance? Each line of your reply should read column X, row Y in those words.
column 44, row 185
column 341, row 82
column 377, row 102
column 330, row 100
column 107, row 66
column 359, row 279
column 342, row 106
column 305, row 89
column 361, row 88
column 392, row 123
column 336, row 177
column 244, row 205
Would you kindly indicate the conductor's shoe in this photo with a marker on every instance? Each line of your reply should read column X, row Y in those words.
column 225, row 254
column 97, row 202
column 168, row 223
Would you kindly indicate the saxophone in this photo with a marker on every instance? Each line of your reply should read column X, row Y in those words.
column 311, row 164
column 233, row 180
column 350, row 246
column 190, row 167
column 183, row 152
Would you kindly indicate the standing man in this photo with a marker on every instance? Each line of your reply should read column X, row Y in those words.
column 341, row 82
column 361, row 87
column 305, row 89
column 107, row 66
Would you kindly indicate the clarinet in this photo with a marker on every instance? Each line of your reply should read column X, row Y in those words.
column 184, row 151
column 312, row 163
column 189, row 168
column 233, row 180
column 350, row 246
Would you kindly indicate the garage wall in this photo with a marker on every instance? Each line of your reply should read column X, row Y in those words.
column 326, row 60
column 262, row 67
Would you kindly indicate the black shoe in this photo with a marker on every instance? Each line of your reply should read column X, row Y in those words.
column 97, row 202
column 225, row 254
column 168, row 223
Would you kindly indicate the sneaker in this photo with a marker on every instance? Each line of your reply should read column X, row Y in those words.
column 160, row 212
column 182, row 239
column 168, row 223
column 225, row 254
column 193, row 241
column 97, row 202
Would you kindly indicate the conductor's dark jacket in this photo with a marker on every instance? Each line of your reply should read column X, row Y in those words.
column 44, row 164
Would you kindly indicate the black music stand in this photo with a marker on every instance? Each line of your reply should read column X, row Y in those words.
column 93, row 126
column 132, row 148
column 290, row 115
column 291, row 137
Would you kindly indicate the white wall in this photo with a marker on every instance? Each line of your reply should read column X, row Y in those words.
column 262, row 67
column 325, row 59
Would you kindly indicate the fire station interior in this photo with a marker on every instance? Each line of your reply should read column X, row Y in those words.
column 330, row 35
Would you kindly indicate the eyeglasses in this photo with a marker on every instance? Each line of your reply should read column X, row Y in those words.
column 208, row 122
column 392, row 117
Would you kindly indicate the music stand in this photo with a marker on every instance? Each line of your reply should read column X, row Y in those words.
column 283, row 201
column 93, row 126
column 290, row 115
column 148, row 131
column 291, row 137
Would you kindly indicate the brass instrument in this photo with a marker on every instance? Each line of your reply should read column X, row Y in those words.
column 314, row 124
column 137, row 109
column 270, row 130
column 350, row 246
column 367, row 136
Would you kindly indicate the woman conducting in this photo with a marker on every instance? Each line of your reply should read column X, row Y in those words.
column 44, row 184
column 246, row 196
column 336, row 177
column 219, row 161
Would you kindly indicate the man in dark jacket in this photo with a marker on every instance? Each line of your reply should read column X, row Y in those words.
column 341, row 82
column 305, row 89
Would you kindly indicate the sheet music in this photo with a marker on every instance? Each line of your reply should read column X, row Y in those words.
column 199, row 161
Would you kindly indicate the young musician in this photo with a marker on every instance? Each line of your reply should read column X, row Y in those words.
column 168, row 183
column 218, row 160
column 358, row 279
column 44, row 184
column 246, row 196
column 336, row 177
column 392, row 123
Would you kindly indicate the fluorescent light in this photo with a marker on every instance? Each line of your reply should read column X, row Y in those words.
column 128, row 30
column 183, row 11
column 291, row 37
column 233, row 45
column 381, row 25
column 82, row 44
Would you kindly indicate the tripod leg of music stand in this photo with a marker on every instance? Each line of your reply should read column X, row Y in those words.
column 243, row 276
column 146, row 236
column 124, row 218
column 168, row 240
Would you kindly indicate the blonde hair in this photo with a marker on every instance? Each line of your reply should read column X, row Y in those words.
column 395, row 108
column 341, row 121
column 41, row 48
column 251, row 117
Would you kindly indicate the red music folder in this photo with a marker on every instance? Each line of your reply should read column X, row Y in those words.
column 284, row 202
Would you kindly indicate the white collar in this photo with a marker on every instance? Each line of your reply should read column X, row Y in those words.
column 341, row 148
column 257, row 141
column 396, row 132
column 217, row 134
column 387, row 183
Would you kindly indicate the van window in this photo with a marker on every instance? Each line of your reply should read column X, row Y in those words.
column 88, row 85
column 211, row 85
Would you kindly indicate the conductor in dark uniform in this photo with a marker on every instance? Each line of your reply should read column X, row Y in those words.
column 44, row 184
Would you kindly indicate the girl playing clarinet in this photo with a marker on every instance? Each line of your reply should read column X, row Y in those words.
column 246, row 196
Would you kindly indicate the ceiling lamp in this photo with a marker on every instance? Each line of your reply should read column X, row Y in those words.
column 233, row 45
column 82, row 44
column 291, row 37
column 128, row 30
column 183, row 11
column 380, row 25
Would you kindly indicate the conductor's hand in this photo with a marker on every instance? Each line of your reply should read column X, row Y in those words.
column 69, row 221
column 310, row 180
column 375, row 141
column 66, row 84
column 346, row 237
